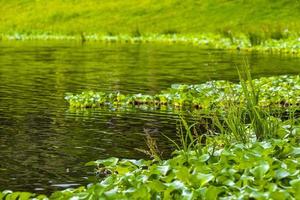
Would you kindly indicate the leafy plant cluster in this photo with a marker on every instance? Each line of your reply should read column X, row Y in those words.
column 245, row 153
column 280, row 92
column 259, row 170
column 262, row 170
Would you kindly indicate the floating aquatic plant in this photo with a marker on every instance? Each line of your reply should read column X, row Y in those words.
column 259, row 170
column 276, row 92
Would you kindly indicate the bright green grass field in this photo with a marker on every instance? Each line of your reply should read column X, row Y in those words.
column 115, row 17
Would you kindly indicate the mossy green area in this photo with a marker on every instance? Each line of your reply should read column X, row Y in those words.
column 265, row 25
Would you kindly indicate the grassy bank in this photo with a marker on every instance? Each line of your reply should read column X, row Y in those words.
column 132, row 17
column 259, row 25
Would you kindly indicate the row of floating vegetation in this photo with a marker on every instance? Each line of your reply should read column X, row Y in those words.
column 278, row 91
column 246, row 42
column 247, row 154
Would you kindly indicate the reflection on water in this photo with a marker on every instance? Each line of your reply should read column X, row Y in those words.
column 44, row 145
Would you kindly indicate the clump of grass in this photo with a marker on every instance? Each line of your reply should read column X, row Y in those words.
column 258, row 118
column 170, row 31
column 278, row 35
column 227, row 33
column 256, row 38
column 136, row 33
column 110, row 33
column 233, row 125
column 245, row 120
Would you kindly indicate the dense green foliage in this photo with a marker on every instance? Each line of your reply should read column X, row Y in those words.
column 247, row 154
column 260, row 170
column 278, row 92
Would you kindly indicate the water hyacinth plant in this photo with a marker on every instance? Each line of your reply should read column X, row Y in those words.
column 277, row 92
column 258, row 170
column 244, row 150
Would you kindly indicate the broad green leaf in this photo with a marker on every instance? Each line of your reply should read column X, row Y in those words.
column 177, row 185
column 204, row 157
column 281, row 173
column 108, row 162
column 25, row 196
column 186, row 195
column 156, row 185
column 260, row 170
column 279, row 195
column 296, row 187
column 112, row 193
column 163, row 169
column 296, row 151
column 212, row 193
column 204, row 178
column 91, row 163
column 183, row 174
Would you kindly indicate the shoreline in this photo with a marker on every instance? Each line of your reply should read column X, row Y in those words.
column 290, row 45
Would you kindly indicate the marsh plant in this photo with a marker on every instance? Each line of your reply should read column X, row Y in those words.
column 257, row 170
column 276, row 93
column 243, row 153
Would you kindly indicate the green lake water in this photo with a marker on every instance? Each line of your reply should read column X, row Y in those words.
column 44, row 145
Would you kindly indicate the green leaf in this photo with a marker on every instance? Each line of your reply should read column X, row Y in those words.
column 204, row 178
column 163, row 169
column 183, row 174
column 295, row 151
column 186, row 195
column 212, row 192
column 279, row 195
column 91, row 163
column 177, row 185
column 111, row 162
column 281, row 173
column 260, row 170
column 112, row 193
column 25, row 196
column 204, row 158
column 296, row 187
column 156, row 185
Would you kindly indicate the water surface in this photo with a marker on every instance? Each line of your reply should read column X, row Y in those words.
column 44, row 145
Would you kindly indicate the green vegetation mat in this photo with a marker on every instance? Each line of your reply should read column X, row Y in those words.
column 260, row 170
column 274, row 92
column 247, row 154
